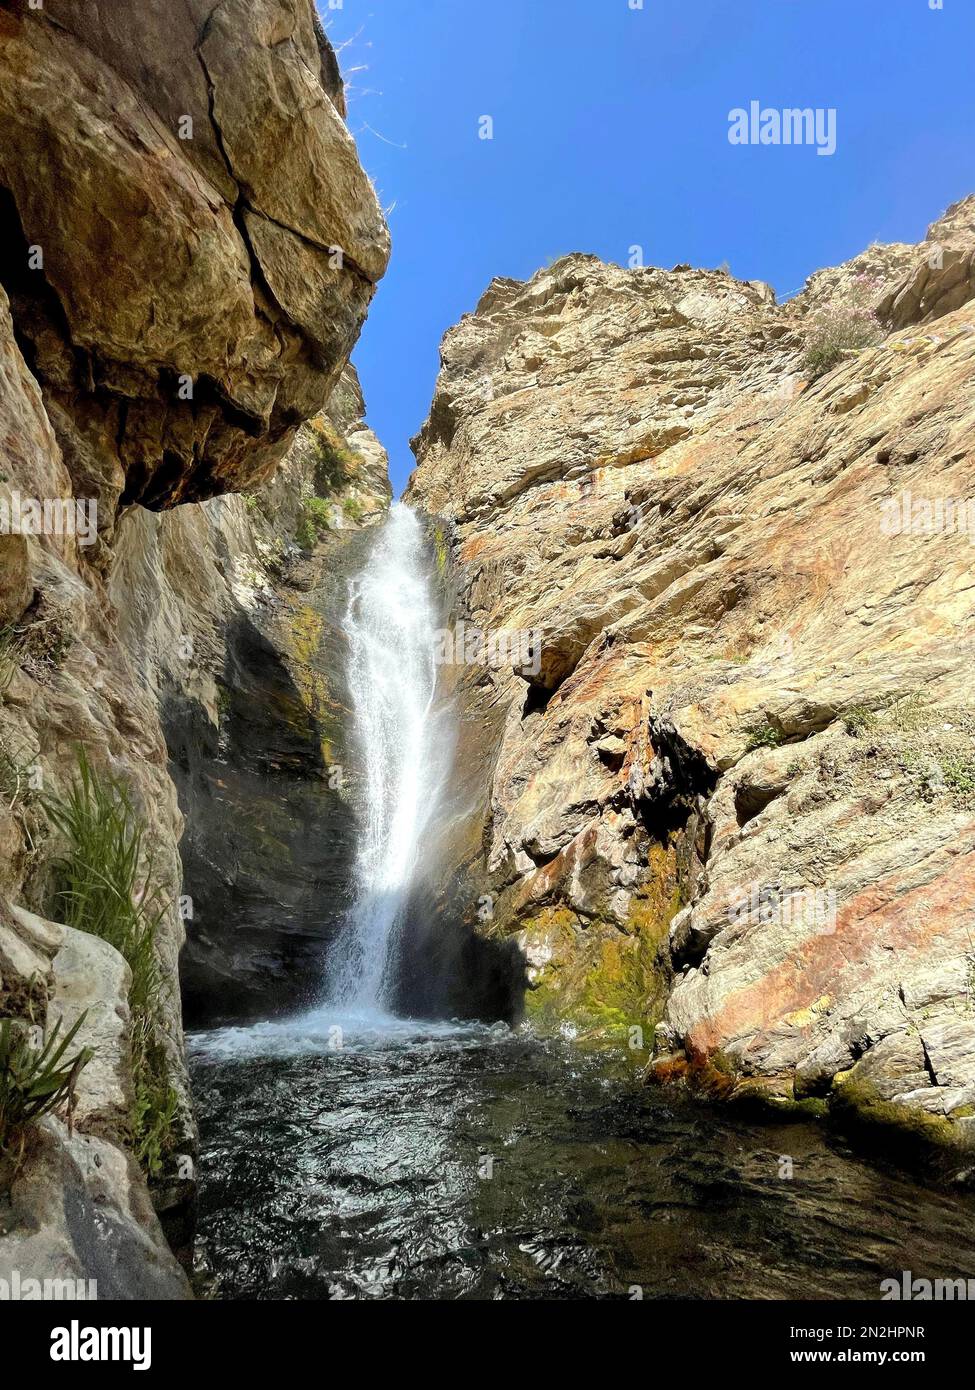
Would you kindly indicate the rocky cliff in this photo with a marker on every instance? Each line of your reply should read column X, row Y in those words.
column 188, row 246
column 725, row 800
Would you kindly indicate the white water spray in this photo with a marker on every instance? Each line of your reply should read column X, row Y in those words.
column 390, row 624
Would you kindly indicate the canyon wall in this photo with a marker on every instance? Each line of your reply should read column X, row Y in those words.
column 725, row 804
column 188, row 247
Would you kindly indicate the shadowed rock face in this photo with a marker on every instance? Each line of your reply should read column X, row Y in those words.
column 754, row 686
column 200, row 223
column 271, row 831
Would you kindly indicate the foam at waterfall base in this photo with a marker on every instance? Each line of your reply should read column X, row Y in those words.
column 325, row 1029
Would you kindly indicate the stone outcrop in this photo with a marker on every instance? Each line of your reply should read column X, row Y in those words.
column 731, row 796
column 74, row 1206
column 190, row 241
column 188, row 247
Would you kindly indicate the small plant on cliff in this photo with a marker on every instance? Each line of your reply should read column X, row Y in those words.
column 352, row 506
column 315, row 521
column 764, row 735
column 335, row 463
column 858, row 720
column 102, row 888
column 958, row 772
column 34, row 1081
column 846, row 324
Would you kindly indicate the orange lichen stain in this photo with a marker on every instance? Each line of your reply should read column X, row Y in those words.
column 544, row 882
column 887, row 915
column 472, row 548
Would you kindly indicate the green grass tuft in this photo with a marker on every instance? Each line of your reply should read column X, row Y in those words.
column 858, row 719
column 315, row 521
column 34, row 1081
column 103, row 888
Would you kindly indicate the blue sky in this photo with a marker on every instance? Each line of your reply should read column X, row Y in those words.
column 611, row 129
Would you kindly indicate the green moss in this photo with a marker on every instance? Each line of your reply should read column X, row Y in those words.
column 856, row 1104
column 806, row 1108
column 600, row 977
column 614, row 991
column 777, row 1099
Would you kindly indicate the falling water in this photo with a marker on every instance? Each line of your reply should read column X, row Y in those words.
column 390, row 624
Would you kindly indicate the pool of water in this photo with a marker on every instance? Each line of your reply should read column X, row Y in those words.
column 370, row 1158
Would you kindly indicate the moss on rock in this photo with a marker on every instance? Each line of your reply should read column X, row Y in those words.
column 598, row 976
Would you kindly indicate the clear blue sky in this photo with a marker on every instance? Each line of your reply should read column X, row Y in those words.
column 611, row 128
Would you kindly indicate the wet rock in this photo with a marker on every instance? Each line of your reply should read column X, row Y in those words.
column 77, row 1209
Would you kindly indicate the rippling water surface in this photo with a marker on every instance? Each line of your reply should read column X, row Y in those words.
column 432, row 1161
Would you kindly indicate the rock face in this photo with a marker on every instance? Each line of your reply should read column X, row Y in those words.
column 191, row 241
column 732, row 787
column 188, row 246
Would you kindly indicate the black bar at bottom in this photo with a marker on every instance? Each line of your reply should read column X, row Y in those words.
column 209, row 1337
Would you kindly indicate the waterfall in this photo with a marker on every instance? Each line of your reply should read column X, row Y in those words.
column 390, row 624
